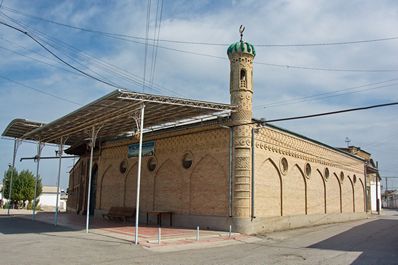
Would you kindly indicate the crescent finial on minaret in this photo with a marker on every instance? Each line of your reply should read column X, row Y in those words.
column 241, row 29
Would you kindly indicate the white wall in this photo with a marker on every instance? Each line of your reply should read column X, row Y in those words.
column 373, row 195
column 50, row 199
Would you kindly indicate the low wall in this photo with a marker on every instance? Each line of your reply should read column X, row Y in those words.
column 269, row 224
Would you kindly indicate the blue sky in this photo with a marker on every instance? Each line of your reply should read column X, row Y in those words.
column 280, row 91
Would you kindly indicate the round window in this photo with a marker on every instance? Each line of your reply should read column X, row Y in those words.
column 123, row 166
column 187, row 160
column 152, row 163
column 284, row 165
column 326, row 173
column 341, row 176
column 308, row 170
column 355, row 179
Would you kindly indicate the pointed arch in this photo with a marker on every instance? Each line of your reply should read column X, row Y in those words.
column 353, row 193
column 268, row 195
column 294, row 192
column 167, row 194
column 112, row 189
column 334, row 201
column 208, row 188
column 360, row 195
column 130, row 186
column 347, row 195
column 101, row 185
column 316, row 194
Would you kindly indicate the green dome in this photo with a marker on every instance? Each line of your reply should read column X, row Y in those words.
column 241, row 47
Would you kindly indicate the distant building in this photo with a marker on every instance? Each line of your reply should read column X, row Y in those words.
column 48, row 199
column 390, row 199
column 373, row 179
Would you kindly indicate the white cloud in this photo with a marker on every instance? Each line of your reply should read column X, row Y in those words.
column 267, row 22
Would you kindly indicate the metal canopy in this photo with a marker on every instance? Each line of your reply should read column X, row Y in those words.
column 19, row 127
column 115, row 113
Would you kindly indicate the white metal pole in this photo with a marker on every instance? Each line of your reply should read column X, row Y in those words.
column 39, row 148
column 197, row 233
column 89, row 178
column 60, row 150
column 137, row 211
column 12, row 175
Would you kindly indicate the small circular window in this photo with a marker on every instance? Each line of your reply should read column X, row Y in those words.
column 326, row 173
column 187, row 160
column 308, row 170
column 123, row 167
column 284, row 165
column 341, row 176
column 355, row 179
column 152, row 163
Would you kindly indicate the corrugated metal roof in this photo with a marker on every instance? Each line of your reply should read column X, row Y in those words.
column 114, row 114
column 19, row 127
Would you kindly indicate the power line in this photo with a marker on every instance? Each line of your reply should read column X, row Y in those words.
column 333, row 112
column 158, row 23
column 329, row 94
column 275, row 65
column 148, row 18
column 38, row 60
column 40, row 91
column 59, row 58
column 288, row 66
column 109, row 34
column 109, row 67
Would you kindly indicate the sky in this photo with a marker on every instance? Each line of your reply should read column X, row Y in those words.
column 106, row 39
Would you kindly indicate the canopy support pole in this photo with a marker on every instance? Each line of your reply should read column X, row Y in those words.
column 17, row 143
column 92, row 145
column 40, row 147
column 60, row 151
column 137, row 211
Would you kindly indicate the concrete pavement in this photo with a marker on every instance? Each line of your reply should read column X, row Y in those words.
column 370, row 241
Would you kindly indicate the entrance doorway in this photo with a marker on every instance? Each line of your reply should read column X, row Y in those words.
column 93, row 190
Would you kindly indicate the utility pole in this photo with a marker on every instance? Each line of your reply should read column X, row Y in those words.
column 347, row 141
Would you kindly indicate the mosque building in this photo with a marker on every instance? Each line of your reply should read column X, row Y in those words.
column 202, row 163
column 232, row 170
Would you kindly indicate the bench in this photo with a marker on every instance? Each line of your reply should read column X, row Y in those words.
column 158, row 215
column 120, row 213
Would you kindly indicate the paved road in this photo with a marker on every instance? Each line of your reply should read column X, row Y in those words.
column 371, row 241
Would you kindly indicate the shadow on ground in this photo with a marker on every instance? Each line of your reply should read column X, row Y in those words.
column 377, row 240
column 24, row 226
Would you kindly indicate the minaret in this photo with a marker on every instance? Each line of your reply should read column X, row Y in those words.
column 241, row 55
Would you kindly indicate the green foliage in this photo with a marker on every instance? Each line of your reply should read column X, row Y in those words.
column 37, row 205
column 23, row 186
column 11, row 172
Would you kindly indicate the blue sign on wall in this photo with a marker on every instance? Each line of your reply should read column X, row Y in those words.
column 148, row 149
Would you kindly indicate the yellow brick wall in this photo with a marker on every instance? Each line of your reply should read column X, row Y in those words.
column 201, row 189
column 279, row 193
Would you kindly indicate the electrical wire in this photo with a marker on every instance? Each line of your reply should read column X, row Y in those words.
column 40, row 61
column 333, row 112
column 109, row 34
column 328, row 94
column 148, row 18
column 158, row 23
column 109, row 67
column 40, row 91
column 59, row 58
column 275, row 65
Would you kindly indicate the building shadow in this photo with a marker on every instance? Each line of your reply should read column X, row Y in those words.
column 376, row 240
column 15, row 225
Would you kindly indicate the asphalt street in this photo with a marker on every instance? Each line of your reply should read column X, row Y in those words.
column 370, row 241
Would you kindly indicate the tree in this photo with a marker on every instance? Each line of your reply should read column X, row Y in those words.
column 23, row 186
column 6, row 182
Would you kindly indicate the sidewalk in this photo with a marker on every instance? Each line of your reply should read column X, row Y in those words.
column 172, row 239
